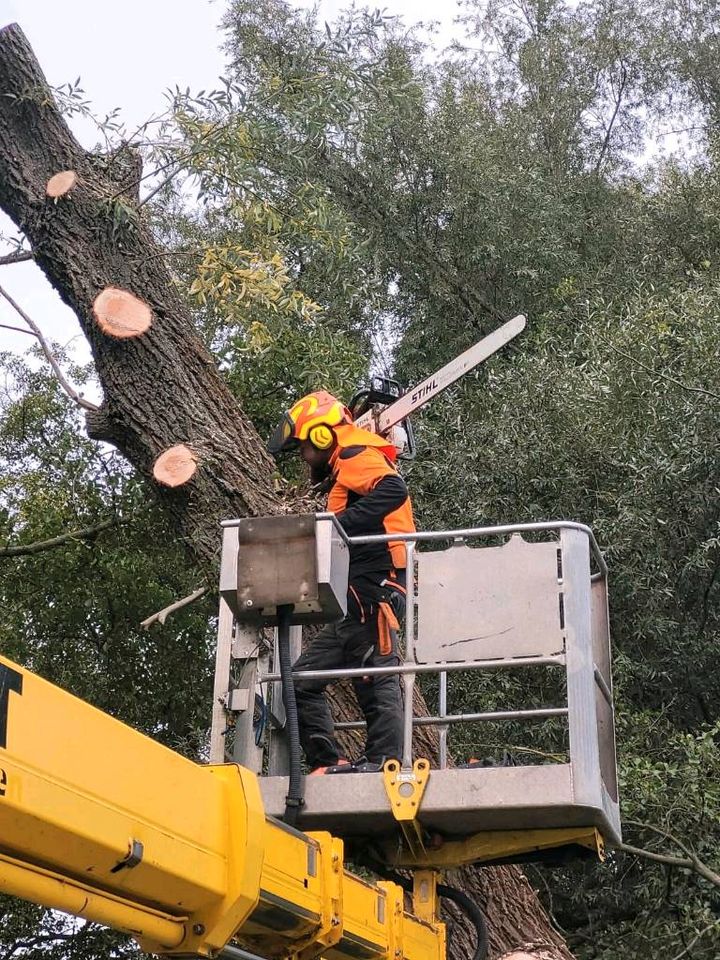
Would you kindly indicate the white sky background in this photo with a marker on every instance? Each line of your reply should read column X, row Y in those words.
column 127, row 55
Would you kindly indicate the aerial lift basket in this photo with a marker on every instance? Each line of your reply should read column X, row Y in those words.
column 517, row 597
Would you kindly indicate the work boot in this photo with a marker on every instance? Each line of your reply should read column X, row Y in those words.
column 473, row 763
column 367, row 766
column 342, row 766
column 363, row 765
column 508, row 760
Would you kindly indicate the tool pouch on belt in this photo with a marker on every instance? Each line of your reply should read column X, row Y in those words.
column 380, row 600
column 387, row 621
column 391, row 610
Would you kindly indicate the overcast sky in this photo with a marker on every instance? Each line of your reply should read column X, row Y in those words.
column 127, row 55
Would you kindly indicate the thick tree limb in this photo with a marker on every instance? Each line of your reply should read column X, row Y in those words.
column 162, row 615
column 28, row 549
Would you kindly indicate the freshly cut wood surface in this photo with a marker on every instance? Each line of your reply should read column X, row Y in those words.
column 121, row 314
column 175, row 466
column 61, row 183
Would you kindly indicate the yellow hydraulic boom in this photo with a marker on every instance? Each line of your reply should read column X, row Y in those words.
column 105, row 823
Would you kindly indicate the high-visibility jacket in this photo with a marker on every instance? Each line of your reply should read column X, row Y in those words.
column 369, row 496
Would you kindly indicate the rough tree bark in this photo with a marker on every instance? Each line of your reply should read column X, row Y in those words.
column 515, row 916
column 162, row 388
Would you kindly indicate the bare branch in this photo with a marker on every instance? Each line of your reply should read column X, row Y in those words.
column 162, row 615
column 163, row 183
column 696, row 864
column 688, row 948
column 36, row 332
column 18, row 257
column 661, row 832
column 664, row 858
column 663, row 376
column 608, row 133
column 691, row 862
column 40, row 546
column 7, row 326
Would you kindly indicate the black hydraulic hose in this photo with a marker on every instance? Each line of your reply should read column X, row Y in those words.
column 461, row 900
column 473, row 912
column 294, row 799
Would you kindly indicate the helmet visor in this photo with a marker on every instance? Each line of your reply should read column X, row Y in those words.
column 282, row 440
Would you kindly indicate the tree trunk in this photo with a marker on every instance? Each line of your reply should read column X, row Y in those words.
column 161, row 388
column 514, row 914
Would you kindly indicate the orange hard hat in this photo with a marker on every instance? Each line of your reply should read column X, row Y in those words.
column 311, row 418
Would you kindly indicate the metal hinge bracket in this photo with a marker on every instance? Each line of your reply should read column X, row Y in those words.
column 405, row 789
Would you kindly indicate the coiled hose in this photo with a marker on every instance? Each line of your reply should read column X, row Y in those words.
column 461, row 900
column 294, row 799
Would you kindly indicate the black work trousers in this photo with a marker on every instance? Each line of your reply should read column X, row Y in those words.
column 366, row 637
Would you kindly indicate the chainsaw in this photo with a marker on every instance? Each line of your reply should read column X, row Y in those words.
column 385, row 409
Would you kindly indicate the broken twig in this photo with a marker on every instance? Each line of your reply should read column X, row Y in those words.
column 162, row 615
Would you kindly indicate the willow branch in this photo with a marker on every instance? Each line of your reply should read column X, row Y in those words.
column 40, row 546
column 663, row 376
column 179, row 161
column 162, row 615
column 608, row 133
column 19, row 257
column 36, row 332
column 662, row 832
column 691, row 862
column 688, row 948
column 8, row 326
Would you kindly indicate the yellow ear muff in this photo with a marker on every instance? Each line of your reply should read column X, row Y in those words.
column 321, row 437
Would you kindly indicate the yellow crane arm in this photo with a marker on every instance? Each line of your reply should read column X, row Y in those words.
column 101, row 821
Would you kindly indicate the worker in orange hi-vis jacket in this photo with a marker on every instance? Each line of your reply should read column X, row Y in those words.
column 368, row 496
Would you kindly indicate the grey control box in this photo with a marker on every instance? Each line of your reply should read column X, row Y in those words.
column 300, row 561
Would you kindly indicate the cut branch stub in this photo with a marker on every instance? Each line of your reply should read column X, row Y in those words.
column 175, row 466
column 121, row 314
column 61, row 183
